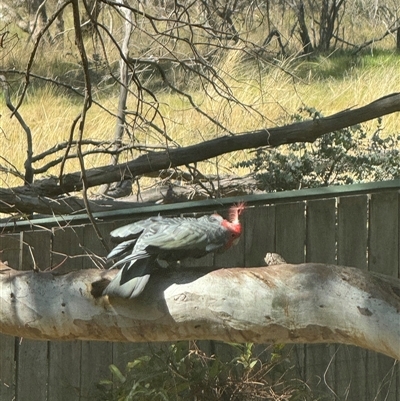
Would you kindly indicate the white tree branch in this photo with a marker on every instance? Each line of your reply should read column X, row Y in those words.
column 307, row 303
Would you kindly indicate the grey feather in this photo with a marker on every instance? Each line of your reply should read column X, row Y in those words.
column 122, row 248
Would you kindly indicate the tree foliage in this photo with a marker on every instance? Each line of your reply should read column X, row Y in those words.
column 345, row 156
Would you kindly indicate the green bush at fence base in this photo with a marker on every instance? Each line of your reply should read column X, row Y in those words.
column 182, row 372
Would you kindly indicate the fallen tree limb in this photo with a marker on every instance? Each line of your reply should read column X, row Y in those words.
column 307, row 303
column 305, row 131
column 21, row 200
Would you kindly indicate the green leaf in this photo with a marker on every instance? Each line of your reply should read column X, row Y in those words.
column 215, row 369
column 117, row 373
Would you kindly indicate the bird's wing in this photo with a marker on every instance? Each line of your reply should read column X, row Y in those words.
column 136, row 263
column 133, row 230
column 132, row 249
column 122, row 248
column 181, row 233
column 130, row 258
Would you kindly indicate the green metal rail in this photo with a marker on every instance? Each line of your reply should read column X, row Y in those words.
column 207, row 205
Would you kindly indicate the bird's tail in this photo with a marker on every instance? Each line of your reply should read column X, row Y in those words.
column 129, row 281
column 129, row 289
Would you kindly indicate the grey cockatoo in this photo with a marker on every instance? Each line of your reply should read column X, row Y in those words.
column 145, row 242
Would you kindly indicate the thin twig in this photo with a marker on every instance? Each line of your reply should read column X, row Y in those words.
column 28, row 162
column 86, row 106
column 35, row 48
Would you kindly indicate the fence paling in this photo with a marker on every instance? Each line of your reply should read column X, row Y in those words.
column 383, row 257
column 9, row 247
column 350, row 362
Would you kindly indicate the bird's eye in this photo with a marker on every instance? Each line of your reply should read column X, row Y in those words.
column 233, row 235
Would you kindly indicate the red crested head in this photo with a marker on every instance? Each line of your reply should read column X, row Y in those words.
column 233, row 226
column 235, row 211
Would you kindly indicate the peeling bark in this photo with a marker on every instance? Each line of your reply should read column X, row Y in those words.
column 307, row 303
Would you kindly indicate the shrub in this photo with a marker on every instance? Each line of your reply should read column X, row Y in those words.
column 180, row 372
column 345, row 156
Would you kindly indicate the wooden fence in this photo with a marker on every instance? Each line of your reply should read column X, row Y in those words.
column 355, row 226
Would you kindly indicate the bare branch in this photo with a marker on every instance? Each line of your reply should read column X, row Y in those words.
column 123, row 93
column 389, row 31
column 35, row 48
column 29, row 145
column 86, row 105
